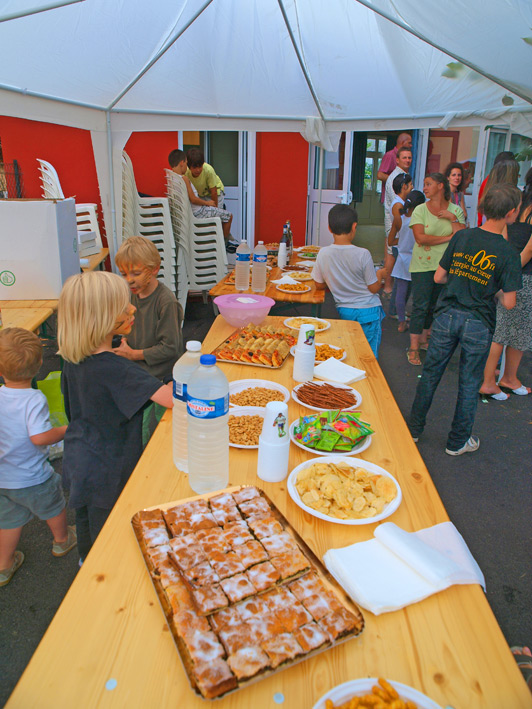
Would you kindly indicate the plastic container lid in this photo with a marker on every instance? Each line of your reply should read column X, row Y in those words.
column 208, row 359
column 193, row 346
column 243, row 301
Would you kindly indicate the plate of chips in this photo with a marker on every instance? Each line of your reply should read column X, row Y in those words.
column 335, row 432
column 301, row 275
column 295, row 323
column 295, row 288
column 323, row 352
column 344, row 490
column 340, row 696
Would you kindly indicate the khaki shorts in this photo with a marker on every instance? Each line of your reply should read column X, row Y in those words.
column 18, row 507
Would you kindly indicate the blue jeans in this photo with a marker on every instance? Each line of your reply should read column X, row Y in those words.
column 450, row 329
column 370, row 321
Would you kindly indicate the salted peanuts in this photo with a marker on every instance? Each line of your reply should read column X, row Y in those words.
column 256, row 396
column 245, row 430
column 383, row 696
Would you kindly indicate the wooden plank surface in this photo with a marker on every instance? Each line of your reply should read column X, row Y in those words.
column 110, row 630
column 29, row 304
column 27, row 318
column 95, row 260
column 314, row 296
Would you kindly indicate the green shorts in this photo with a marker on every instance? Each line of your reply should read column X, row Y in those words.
column 18, row 507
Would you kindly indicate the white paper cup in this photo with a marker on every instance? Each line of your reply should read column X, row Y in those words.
column 307, row 336
column 282, row 256
column 304, row 360
column 275, row 426
column 272, row 461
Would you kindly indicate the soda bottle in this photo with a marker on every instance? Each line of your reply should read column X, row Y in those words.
column 242, row 266
column 290, row 245
column 258, row 274
column 183, row 368
column 208, row 427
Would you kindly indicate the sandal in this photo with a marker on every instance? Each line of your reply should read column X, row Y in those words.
column 412, row 356
column 7, row 574
column 403, row 326
column 524, row 662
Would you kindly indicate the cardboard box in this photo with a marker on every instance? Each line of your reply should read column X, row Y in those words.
column 38, row 247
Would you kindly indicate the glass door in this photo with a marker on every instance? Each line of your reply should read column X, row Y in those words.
column 370, row 210
column 329, row 178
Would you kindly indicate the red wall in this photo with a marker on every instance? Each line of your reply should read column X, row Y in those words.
column 281, row 186
column 69, row 150
column 149, row 154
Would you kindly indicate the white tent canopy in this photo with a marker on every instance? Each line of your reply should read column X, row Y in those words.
column 315, row 66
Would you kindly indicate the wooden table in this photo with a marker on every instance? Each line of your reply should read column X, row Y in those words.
column 109, row 646
column 29, row 314
column 313, row 297
column 96, row 260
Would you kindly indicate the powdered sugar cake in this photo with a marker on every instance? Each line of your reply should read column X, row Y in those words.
column 243, row 594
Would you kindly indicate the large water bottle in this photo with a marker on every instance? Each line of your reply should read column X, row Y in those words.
column 183, row 368
column 258, row 274
column 208, row 427
column 242, row 265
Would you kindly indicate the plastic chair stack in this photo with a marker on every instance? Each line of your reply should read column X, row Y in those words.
column 202, row 240
column 150, row 217
column 86, row 213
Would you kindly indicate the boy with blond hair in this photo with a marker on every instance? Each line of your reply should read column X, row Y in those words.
column 156, row 340
column 28, row 484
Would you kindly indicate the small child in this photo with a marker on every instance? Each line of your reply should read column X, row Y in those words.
column 198, row 180
column 348, row 271
column 402, row 235
column 28, row 484
column 155, row 340
column 104, row 397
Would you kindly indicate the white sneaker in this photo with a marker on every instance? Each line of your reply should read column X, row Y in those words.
column 470, row 446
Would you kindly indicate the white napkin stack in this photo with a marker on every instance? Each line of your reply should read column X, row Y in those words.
column 332, row 370
column 286, row 279
column 399, row 568
column 306, row 263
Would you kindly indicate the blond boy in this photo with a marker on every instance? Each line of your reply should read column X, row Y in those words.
column 156, row 340
column 28, row 484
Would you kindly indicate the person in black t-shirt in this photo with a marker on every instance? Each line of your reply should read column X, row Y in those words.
column 479, row 267
column 104, row 397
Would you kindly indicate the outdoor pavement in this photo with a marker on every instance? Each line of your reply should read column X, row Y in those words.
column 487, row 494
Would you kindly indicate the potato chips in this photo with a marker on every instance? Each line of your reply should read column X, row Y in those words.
column 344, row 492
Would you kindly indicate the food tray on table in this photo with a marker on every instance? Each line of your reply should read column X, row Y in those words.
column 266, row 346
column 293, row 288
column 243, row 594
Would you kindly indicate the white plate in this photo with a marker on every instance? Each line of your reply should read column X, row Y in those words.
column 326, row 323
column 294, row 292
column 357, row 395
column 333, row 347
column 353, row 463
column 241, row 384
column 357, row 449
column 246, row 411
column 300, row 275
column 358, row 687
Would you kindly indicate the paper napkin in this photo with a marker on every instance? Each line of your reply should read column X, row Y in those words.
column 332, row 370
column 286, row 279
column 398, row 568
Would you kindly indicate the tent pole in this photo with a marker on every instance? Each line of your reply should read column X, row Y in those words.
column 35, row 10
column 111, row 182
column 322, row 152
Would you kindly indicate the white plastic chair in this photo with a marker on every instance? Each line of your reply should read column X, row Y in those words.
column 201, row 239
column 86, row 213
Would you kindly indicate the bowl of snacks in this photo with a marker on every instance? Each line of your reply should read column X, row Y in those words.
column 293, row 288
column 344, row 490
column 331, row 432
column 239, row 309
column 319, row 323
column 322, row 396
column 300, row 275
column 368, row 687
column 256, row 392
column 245, row 426
column 324, row 352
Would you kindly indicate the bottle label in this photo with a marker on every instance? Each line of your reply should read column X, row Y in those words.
column 243, row 257
column 260, row 258
column 180, row 391
column 208, row 408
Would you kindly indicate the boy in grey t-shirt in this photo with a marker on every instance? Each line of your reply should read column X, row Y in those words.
column 349, row 273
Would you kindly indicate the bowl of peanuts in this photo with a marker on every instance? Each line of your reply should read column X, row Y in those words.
column 396, row 693
column 256, row 392
column 245, row 426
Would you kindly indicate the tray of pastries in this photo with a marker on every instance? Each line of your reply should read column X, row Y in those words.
column 260, row 346
column 242, row 593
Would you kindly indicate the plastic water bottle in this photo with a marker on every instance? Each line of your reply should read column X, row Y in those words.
column 242, row 265
column 208, row 427
column 258, row 274
column 183, row 368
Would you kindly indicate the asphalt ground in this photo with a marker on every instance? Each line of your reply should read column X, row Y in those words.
column 487, row 494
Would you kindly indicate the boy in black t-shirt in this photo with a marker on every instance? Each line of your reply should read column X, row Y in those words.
column 478, row 267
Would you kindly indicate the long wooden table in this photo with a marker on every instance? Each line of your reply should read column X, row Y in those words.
column 312, row 297
column 109, row 646
column 28, row 314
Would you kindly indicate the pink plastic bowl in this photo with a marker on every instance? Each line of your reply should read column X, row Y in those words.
column 239, row 309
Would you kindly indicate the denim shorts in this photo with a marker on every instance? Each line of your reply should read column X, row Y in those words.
column 18, row 507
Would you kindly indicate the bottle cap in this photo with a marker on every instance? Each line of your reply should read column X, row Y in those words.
column 261, row 242
column 208, row 359
column 193, row 346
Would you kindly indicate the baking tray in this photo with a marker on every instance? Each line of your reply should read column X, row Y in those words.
column 286, row 338
column 315, row 565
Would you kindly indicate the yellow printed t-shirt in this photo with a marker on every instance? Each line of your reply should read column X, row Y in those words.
column 206, row 181
column 427, row 258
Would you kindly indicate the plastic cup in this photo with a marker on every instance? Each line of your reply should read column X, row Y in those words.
column 275, row 426
column 304, row 359
column 307, row 336
column 272, row 461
